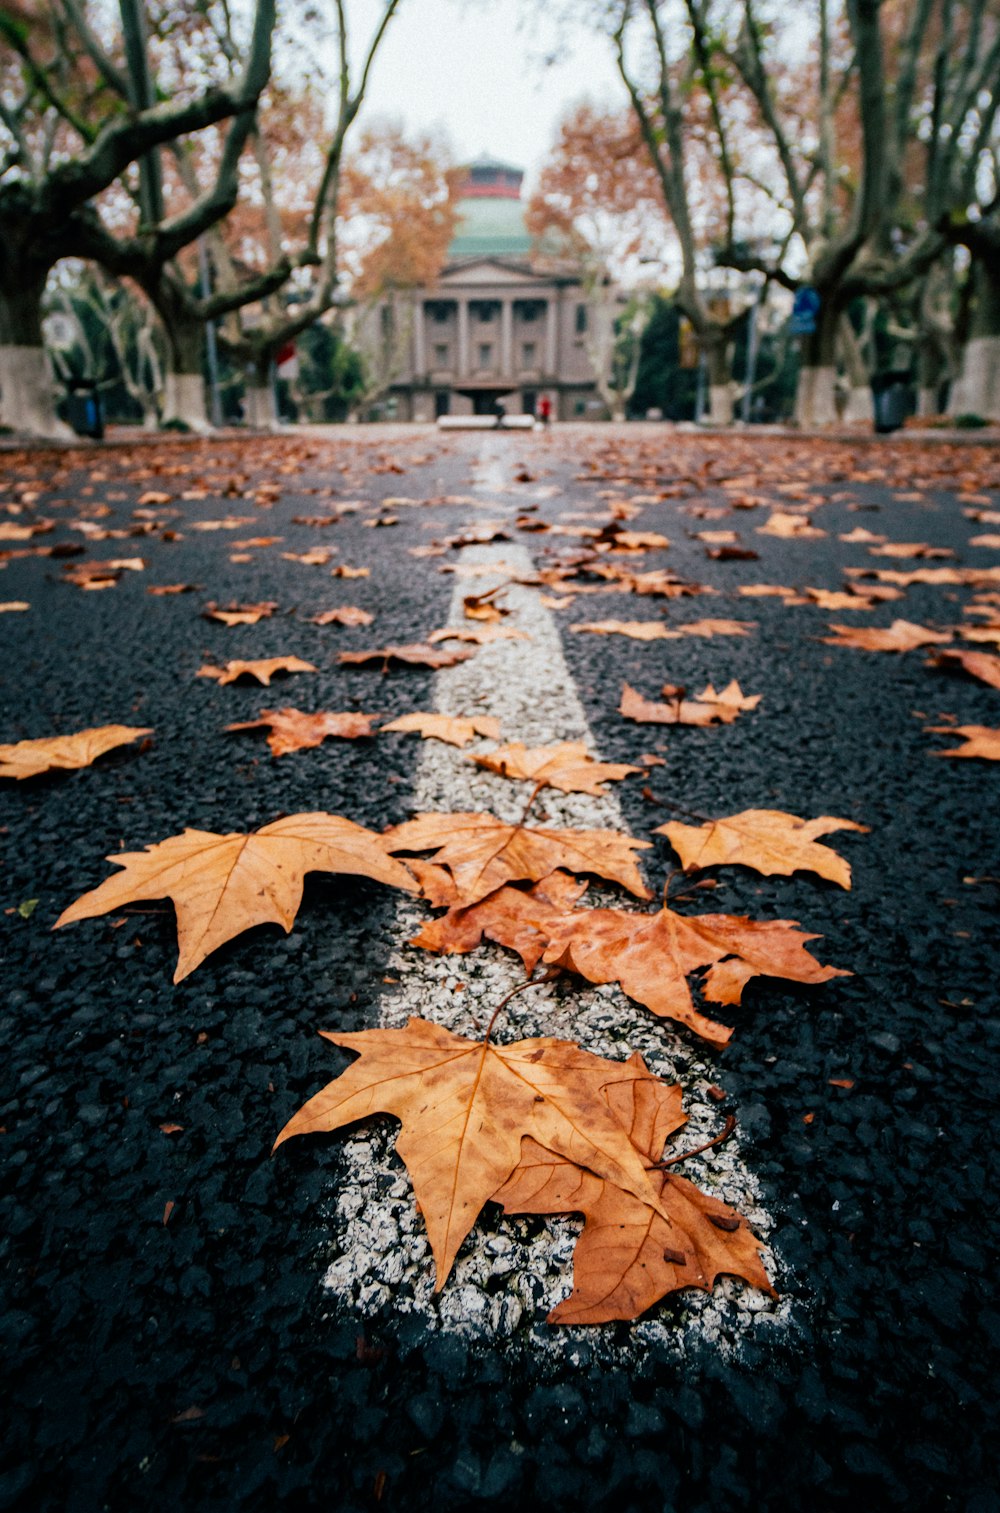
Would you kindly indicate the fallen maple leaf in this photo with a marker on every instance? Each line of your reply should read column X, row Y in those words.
column 482, row 853
column 350, row 572
column 513, row 917
column 909, row 549
column 707, row 708
column 768, row 840
column 13, row 606
column 240, row 614
column 455, row 730
column 902, row 635
column 263, row 669
column 319, row 556
column 628, row 1256
column 161, row 590
column 978, row 664
column 465, row 1107
column 789, row 527
column 25, row 759
column 294, row 730
column 651, row 955
column 480, row 635
column 416, row 654
column 978, row 741
column 638, row 630
column 347, row 614
column 566, row 766
column 221, row 885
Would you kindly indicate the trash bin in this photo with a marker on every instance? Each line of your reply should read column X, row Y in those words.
column 891, row 393
column 84, row 410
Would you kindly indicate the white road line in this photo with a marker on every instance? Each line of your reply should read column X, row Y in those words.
column 509, row 1273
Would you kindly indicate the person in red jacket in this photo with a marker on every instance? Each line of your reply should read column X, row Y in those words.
column 545, row 409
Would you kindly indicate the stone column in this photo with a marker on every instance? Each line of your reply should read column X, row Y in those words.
column 462, row 356
column 507, row 338
column 551, row 346
column 419, row 339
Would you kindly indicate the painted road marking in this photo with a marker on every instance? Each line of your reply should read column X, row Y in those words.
column 509, row 1274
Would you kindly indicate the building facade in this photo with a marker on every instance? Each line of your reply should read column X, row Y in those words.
column 499, row 329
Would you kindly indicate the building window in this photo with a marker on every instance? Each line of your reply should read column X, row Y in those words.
column 581, row 319
column 441, row 354
column 484, row 310
column 528, row 351
column 529, row 312
column 439, row 310
column 485, row 354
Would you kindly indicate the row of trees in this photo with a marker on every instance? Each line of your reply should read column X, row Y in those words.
column 183, row 158
column 847, row 147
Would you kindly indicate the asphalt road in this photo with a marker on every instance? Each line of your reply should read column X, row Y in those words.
column 185, row 1323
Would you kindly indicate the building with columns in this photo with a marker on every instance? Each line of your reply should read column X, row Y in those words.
column 499, row 328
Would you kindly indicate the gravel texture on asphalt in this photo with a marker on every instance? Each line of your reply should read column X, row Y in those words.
column 170, row 1335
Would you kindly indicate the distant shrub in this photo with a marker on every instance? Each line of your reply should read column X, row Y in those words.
column 969, row 422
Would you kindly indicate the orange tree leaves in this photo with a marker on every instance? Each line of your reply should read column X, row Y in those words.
column 977, row 741
column 513, row 917
column 768, row 840
column 482, row 853
column 416, row 654
column 978, row 664
column 465, row 1107
column 26, row 759
column 629, row 1256
column 295, row 730
column 221, row 885
column 902, row 635
column 455, row 730
column 565, row 766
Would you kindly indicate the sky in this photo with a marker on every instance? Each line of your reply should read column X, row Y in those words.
column 475, row 69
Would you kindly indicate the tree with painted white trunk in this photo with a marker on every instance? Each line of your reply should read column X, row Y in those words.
column 976, row 390
column 70, row 127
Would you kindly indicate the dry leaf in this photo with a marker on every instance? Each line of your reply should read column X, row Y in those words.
column 161, row 590
column 902, row 635
column 908, row 549
column 512, row 917
column 347, row 614
column 465, row 1107
column 651, row 955
column 639, row 630
column 768, row 840
column 294, row 730
column 978, row 664
column 978, row 741
column 708, row 708
column 263, row 669
column 240, row 614
column 482, row 853
column 566, row 766
column 13, row 606
column 319, row 556
column 479, row 635
column 629, row 1257
column 221, row 885
column 25, row 759
column 418, row 654
column 790, row 527
column 350, row 572
column 455, row 730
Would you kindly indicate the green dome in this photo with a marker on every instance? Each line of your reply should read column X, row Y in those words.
column 490, row 227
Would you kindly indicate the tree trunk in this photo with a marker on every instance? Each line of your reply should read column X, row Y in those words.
column 27, row 399
column 185, row 383
column 977, row 388
column 931, row 373
column 859, row 407
column 260, row 410
column 815, row 396
column 720, row 389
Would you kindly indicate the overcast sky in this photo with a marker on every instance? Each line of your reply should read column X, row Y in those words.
column 476, row 70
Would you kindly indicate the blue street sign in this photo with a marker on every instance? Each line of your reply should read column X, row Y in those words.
column 805, row 310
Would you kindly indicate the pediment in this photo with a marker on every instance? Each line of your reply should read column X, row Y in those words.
column 486, row 270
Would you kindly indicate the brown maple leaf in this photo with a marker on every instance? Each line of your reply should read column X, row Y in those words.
column 347, row 614
column 25, row 759
column 566, row 766
column 978, row 664
column 977, row 741
column 161, row 590
column 455, row 730
column 902, row 635
column 294, row 730
column 638, row 630
column 513, row 917
column 263, row 669
column 221, row 885
column 482, row 853
column 350, row 572
column 790, row 527
column 909, row 549
column 707, row 708
column 651, row 956
column 319, row 556
column 240, row 614
column 629, row 1256
column 768, row 840
column 465, row 1107
column 416, row 654
column 479, row 635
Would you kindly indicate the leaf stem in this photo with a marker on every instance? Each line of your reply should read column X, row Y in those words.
column 549, row 976
column 534, row 794
column 727, row 1130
